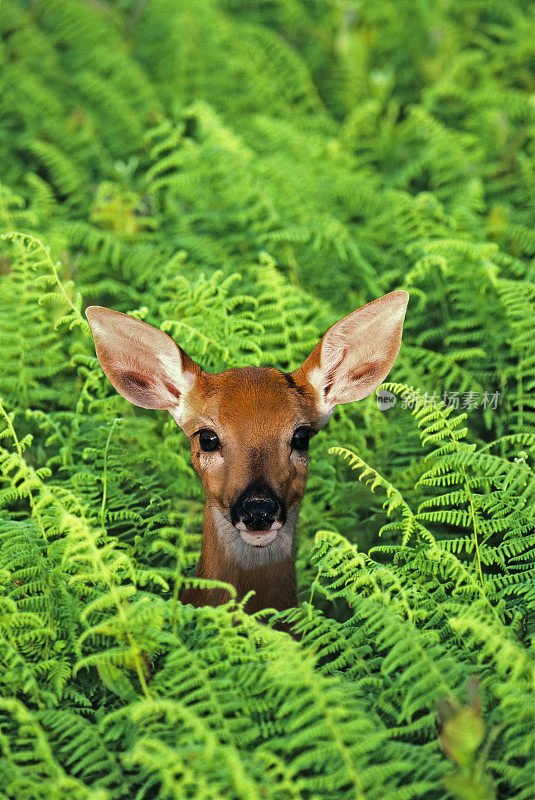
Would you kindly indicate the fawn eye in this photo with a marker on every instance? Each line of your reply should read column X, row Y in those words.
column 300, row 439
column 208, row 440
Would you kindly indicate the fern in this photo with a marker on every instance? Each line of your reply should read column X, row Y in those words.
column 241, row 175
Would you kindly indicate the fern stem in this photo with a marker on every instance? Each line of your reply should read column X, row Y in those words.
column 105, row 472
column 108, row 578
column 475, row 525
column 18, row 447
column 445, row 418
column 38, row 244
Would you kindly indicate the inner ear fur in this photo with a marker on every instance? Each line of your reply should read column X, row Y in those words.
column 356, row 354
column 143, row 363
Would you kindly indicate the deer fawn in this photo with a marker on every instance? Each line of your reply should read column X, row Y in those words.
column 249, row 430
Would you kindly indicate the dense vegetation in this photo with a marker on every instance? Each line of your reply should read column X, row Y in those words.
column 242, row 174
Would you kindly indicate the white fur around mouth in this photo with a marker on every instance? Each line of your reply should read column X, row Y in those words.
column 258, row 538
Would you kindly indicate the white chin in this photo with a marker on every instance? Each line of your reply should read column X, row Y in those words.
column 258, row 538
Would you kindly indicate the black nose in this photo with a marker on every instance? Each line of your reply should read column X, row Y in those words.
column 257, row 508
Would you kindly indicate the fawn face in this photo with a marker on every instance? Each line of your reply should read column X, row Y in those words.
column 249, row 428
column 249, row 445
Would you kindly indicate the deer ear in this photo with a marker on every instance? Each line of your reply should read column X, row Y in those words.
column 144, row 364
column 356, row 354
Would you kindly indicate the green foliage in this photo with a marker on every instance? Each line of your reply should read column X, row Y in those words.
column 241, row 175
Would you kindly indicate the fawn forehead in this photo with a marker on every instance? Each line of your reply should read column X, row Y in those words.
column 255, row 399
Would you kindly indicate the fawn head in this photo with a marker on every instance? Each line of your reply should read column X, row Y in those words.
column 249, row 427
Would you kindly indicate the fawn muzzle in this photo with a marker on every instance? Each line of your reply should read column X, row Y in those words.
column 258, row 509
